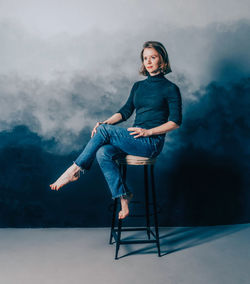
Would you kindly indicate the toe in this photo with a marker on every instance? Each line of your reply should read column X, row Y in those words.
column 120, row 215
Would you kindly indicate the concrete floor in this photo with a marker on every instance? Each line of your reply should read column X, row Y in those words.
column 195, row 255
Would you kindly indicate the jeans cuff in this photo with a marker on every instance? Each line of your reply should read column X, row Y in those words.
column 81, row 169
column 126, row 195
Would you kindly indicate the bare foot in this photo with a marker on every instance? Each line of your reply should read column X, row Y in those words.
column 71, row 174
column 124, row 204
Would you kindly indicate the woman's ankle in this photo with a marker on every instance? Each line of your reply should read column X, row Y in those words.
column 127, row 196
column 77, row 168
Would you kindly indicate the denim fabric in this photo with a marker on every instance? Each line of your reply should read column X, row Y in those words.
column 108, row 143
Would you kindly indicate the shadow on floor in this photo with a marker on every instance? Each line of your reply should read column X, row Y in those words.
column 177, row 239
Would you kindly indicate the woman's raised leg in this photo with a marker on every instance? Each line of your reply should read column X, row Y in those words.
column 106, row 134
column 84, row 160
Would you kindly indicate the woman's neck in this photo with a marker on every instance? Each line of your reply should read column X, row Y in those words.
column 154, row 74
column 158, row 77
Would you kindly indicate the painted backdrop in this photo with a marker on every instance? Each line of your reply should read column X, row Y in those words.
column 64, row 65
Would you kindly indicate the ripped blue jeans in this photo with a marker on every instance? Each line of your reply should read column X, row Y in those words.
column 111, row 142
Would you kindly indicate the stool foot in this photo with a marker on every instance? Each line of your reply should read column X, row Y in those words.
column 159, row 250
column 148, row 233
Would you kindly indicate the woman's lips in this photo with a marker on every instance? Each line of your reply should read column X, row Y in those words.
column 150, row 66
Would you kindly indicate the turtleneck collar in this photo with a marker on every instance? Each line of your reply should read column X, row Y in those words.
column 156, row 78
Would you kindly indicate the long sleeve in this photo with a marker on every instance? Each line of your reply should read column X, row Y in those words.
column 127, row 110
column 175, row 105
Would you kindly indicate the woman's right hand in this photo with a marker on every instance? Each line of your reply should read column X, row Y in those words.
column 94, row 129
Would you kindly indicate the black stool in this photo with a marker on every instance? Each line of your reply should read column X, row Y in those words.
column 116, row 231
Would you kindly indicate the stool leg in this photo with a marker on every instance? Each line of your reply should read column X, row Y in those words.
column 146, row 199
column 115, row 209
column 113, row 221
column 123, row 170
column 155, row 210
column 118, row 238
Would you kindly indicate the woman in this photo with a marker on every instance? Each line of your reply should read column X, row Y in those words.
column 158, row 106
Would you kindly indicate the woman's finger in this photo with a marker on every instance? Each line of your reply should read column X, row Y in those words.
column 94, row 129
column 93, row 132
column 133, row 133
column 139, row 135
column 133, row 128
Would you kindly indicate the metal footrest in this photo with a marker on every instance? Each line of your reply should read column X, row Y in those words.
column 149, row 231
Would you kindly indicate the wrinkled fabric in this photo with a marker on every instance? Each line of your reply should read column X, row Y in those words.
column 110, row 142
column 156, row 101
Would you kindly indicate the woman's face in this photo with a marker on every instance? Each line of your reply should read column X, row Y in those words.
column 151, row 60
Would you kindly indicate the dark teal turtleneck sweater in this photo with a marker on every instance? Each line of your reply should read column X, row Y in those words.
column 156, row 101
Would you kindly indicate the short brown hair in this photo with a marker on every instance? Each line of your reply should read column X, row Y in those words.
column 164, row 61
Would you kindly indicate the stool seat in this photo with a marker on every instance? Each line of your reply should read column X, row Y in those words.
column 135, row 160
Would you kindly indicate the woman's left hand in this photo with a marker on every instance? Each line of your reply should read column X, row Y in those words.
column 139, row 132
